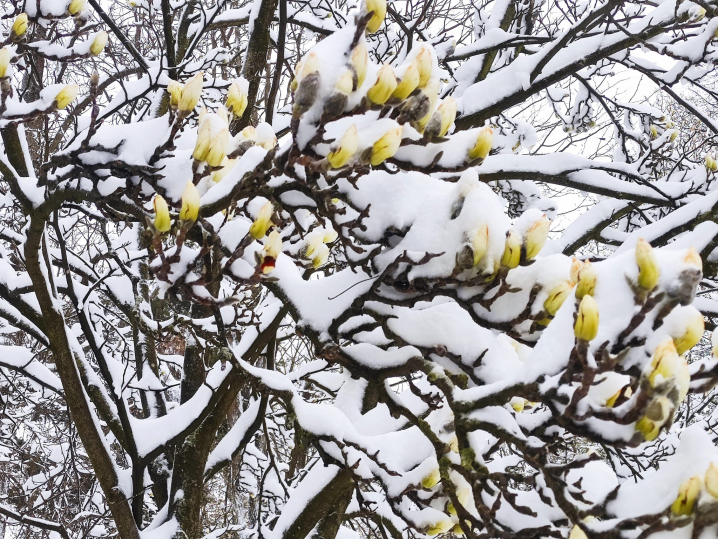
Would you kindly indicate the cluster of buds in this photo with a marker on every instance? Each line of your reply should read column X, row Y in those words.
column 188, row 214
column 184, row 97
column 583, row 278
column 212, row 138
column 19, row 27
column 317, row 249
column 698, row 496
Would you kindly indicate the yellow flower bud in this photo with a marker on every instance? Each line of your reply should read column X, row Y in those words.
column 98, row 44
column 359, row 61
column 556, row 296
column 76, row 6
column 648, row 429
column 348, row 145
column 674, row 135
column 456, row 530
column 693, row 329
column 447, row 109
column 432, row 479
column 386, row 146
column 654, row 131
column 191, row 92
column 345, row 83
column 664, row 363
column 517, row 403
column 321, row 255
column 66, row 96
column 314, row 241
column 586, row 327
column 484, row 142
column 218, row 147
column 273, row 245
column 378, row 10
column 162, row 214
column 480, row 242
column 424, row 62
column 5, row 57
column 190, row 204
column 576, row 266
column 454, row 444
column 174, row 88
column 19, row 27
column 383, row 87
column 711, row 163
column 408, row 83
column 711, row 480
column 227, row 166
column 330, row 236
column 648, row 271
column 536, row 237
column 577, row 533
column 440, row 527
column 687, row 496
column 204, row 138
column 683, row 378
column 693, row 259
column 586, row 280
column 512, row 251
column 236, row 99
column 263, row 222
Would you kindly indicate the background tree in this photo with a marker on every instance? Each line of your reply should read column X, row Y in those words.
column 279, row 269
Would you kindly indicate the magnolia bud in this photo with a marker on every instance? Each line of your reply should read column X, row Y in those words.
column 98, row 44
column 484, row 141
column 577, row 533
column 162, row 214
column 576, row 266
column 586, row 327
column 683, row 378
column 314, row 241
column 431, row 479
column 648, row 271
column 273, row 245
column 386, row 146
column 76, row 6
column 19, row 27
column 174, row 88
column 673, row 136
column 456, row 530
column 711, row 163
column 408, row 83
column 648, row 429
column 263, row 222
column 586, row 280
column 653, row 131
column 191, row 92
column 94, row 78
column 711, row 480
column 556, row 296
column 227, row 166
column 517, row 403
column 218, row 147
column 348, row 145
column 440, row 527
column 480, row 242
column 693, row 259
column 190, row 204
column 344, row 83
column 204, row 137
column 236, row 99
column 321, row 255
column 66, row 96
column 424, row 62
column 447, row 111
column 383, row 87
column 687, row 496
column 359, row 61
column 512, row 251
column 5, row 57
column 536, row 236
column 378, row 10
column 693, row 328
column 330, row 236
column 664, row 363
